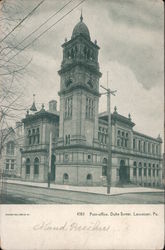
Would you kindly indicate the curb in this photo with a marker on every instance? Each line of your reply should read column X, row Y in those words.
column 88, row 192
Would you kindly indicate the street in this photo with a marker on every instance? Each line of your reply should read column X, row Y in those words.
column 22, row 194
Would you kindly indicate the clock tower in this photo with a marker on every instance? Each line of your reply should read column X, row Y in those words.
column 79, row 89
column 79, row 100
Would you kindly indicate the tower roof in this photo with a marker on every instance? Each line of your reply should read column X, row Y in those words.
column 81, row 28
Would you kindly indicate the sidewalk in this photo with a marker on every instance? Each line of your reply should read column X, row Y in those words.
column 96, row 190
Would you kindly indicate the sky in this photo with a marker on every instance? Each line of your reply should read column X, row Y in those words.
column 131, row 40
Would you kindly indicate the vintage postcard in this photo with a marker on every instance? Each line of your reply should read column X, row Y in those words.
column 81, row 124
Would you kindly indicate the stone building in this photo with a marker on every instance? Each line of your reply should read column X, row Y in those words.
column 35, row 153
column 12, row 138
column 80, row 132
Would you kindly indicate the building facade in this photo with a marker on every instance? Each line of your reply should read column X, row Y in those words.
column 35, row 153
column 80, row 132
column 10, row 162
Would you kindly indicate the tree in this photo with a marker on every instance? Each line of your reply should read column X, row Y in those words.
column 12, row 72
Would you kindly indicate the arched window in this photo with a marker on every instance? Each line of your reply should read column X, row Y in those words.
column 65, row 177
column 140, row 169
column 118, row 142
column 134, row 169
column 36, row 166
column 89, row 177
column 149, row 169
column 145, row 169
column 27, row 166
column 10, row 148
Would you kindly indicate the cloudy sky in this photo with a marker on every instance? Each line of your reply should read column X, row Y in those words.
column 130, row 36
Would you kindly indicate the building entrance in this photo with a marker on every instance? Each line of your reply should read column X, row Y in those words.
column 124, row 173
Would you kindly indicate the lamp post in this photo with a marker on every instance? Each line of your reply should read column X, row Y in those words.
column 109, row 165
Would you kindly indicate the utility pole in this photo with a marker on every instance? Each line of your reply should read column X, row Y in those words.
column 50, row 158
column 109, row 146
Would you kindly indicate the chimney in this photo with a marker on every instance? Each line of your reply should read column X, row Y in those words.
column 53, row 106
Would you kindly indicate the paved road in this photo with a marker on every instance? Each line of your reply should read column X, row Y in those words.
column 21, row 194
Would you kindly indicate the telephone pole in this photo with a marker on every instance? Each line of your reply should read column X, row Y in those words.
column 109, row 141
column 50, row 158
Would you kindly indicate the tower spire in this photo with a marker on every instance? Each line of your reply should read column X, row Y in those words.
column 81, row 17
column 33, row 107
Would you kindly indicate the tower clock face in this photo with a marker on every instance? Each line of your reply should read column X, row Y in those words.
column 90, row 81
column 68, row 82
column 69, row 79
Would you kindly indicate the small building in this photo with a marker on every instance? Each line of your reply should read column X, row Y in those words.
column 12, row 141
column 35, row 153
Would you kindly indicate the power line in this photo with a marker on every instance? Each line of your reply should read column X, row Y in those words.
column 39, row 27
column 36, row 7
column 46, row 30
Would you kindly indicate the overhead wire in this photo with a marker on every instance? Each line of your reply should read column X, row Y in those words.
column 38, row 27
column 29, row 14
column 46, row 30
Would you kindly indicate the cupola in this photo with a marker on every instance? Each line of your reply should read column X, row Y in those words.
column 81, row 29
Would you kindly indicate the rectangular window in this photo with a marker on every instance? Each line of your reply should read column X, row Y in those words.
column 134, row 144
column 12, row 164
column 67, row 139
column 37, row 136
column 149, row 148
column 144, row 147
column 157, row 151
column 89, row 108
column 7, row 164
column 68, row 107
column 126, row 143
column 139, row 146
column 149, row 172
column 145, row 171
column 10, row 148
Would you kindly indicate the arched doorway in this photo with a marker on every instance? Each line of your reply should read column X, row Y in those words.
column 65, row 178
column 89, row 179
column 124, row 176
column 53, row 167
